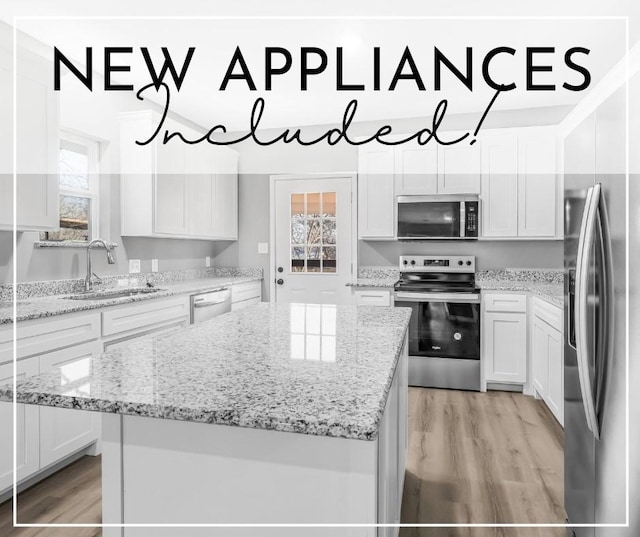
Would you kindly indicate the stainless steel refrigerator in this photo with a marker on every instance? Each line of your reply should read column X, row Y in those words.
column 595, row 321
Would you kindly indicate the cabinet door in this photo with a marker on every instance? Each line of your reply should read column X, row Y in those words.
column 376, row 192
column 540, row 357
column 459, row 168
column 201, row 184
column 537, row 186
column 200, row 201
column 505, row 337
column 499, row 196
column 225, row 204
column 6, row 141
column 26, row 429
column 416, row 169
column 555, row 393
column 170, row 215
column 37, row 144
column 64, row 431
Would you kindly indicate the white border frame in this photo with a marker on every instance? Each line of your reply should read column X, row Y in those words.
column 626, row 62
column 272, row 218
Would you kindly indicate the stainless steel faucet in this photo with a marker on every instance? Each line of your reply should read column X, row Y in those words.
column 88, row 285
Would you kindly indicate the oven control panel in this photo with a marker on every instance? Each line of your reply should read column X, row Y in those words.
column 433, row 263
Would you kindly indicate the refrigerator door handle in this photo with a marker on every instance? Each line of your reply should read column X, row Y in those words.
column 606, row 327
column 585, row 249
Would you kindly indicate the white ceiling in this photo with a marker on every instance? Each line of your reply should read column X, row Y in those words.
column 201, row 100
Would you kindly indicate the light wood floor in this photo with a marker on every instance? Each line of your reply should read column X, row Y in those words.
column 479, row 458
column 70, row 496
column 482, row 458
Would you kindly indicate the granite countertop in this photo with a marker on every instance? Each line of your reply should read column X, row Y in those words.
column 549, row 291
column 48, row 306
column 383, row 277
column 315, row 369
column 386, row 283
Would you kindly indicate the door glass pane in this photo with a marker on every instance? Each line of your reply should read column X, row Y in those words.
column 298, row 232
column 297, row 205
column 313, row 232
column 329, row 204
column 313, row 204
column 328, row 231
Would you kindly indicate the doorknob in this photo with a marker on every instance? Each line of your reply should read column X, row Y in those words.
column 279, row 281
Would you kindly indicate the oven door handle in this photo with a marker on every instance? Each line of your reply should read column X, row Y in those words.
column 466, row 298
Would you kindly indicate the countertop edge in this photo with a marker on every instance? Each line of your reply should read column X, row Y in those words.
column 365, row 430
column 76, row 306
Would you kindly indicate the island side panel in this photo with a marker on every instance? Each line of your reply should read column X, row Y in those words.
column 112, row 483
column 392, row 449
column 176, row 472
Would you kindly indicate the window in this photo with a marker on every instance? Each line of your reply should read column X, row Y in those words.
column 313, row 232
column 78, row 181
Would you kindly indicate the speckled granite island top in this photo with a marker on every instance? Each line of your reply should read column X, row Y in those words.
column 319, row 370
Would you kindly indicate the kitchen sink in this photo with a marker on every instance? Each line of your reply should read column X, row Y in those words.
column 106, row 294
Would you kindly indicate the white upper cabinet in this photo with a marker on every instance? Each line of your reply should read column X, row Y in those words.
column 537, row 185
column 435, row 169
column 175, row 190
column 520, row 195
column 416, row 169
column 37, row 147
column 499, row 186
column 376, row 192
column 459, row 168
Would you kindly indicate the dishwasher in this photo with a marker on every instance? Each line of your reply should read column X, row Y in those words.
column 205, row 306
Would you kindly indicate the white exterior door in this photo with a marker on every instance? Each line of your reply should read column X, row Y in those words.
column 313, row 239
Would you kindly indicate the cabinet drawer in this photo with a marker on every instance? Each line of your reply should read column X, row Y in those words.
column 372, row 298
column 550, row 314
column 505, row 302
column 245, row 303
column 149, row 313
column 246, row 291
column 36, row 337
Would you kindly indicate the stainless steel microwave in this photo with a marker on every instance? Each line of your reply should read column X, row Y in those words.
column 438, row 217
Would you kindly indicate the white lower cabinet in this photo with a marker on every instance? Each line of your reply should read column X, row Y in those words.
column 246, row 294
column 62, row 431
column 504, row 337
column 547, row 363
column 27, row 440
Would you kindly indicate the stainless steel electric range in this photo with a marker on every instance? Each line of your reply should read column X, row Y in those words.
column 444, row 332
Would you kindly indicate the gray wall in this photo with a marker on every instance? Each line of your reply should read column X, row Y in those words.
column 489, row 254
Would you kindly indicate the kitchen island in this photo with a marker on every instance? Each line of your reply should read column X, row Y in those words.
column 277, row 414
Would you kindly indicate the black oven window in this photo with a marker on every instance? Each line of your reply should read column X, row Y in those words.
column 444, row 330
column 429, row 219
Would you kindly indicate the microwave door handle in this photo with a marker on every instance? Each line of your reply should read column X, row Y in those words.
column 585, row 250
column 463, row 219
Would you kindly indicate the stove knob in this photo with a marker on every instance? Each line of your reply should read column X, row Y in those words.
column 413, row 261
column 404, row 262
column 468, row 263
column 460, row 263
